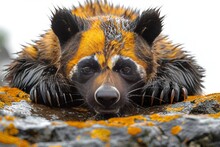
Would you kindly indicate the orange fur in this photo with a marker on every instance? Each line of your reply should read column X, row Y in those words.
column 166, row 50
column 99, row 8
column 30, row 51
column 49, row 45
column 93, row 40
column 93, row 43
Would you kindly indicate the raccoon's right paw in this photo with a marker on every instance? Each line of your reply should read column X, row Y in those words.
column 164, row 91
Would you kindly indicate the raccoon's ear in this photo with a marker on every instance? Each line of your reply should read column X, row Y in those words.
column 65, row 25
column 149, row 25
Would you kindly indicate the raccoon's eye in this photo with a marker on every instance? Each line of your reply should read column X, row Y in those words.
column 126, row 70
column 87, row 70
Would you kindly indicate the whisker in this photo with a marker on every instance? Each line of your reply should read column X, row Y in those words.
column 94, row 116
column 144, row 96
column 129, row 92
column 118, row 114
column 132, row 95
column 135, row 83
column 73, row 94
column 157, row 98
column 72, row 101
column 134, row 105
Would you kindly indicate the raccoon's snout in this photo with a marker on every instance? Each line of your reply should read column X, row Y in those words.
column 107, row 96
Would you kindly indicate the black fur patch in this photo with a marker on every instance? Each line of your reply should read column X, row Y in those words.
column 86, row 69
column 65, row 25
column 149, row 25
column 127, row 69
column 44, row 84
column 69, row 50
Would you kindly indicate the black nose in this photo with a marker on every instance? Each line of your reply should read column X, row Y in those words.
column 107, row 95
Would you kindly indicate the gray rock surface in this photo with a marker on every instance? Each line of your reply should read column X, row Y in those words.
column 193, row 123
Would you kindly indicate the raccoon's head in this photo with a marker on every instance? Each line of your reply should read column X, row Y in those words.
column 108, row 58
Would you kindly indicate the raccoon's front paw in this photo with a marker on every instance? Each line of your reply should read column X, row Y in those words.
column 163, row 91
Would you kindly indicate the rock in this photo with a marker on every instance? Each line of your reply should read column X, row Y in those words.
column 194, row 122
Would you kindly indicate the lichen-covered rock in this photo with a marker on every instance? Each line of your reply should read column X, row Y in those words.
column 194, row 122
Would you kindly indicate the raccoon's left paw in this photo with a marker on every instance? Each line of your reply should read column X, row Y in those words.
column 163, row 91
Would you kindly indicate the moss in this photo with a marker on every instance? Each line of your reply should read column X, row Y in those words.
column 175, row 130
column 8, row 139
column 163, row 118
column 9, row 95
column 134, row 130
column 101, row 134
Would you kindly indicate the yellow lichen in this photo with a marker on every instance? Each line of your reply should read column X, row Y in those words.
column 112, row 122
column 85, row 124
column 56, row 123
column 2, row 104
column 78, row 137
column 150, row 124
column 134, row 130
column 101, row 134
column 140, row 140
column 163, row 118
column 8, row 139
column 9, row 118
column 55, row 146
column 175, row 130
column 11, row 130
column 9, row 95
column 216, row 115
column 201, row 98
column 108, row 144
column 172, row 109
column 125, row 121
column 78, row 124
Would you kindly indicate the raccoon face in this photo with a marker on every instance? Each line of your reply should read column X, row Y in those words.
column 106, row 90
column 107, row 58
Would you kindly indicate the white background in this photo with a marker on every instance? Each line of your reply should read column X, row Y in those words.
column 193, row 23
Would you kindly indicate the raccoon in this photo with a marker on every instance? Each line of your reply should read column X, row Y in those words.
column 107, row 58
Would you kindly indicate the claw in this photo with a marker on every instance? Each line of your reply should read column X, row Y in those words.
column 172, row 96
column 185, row 93
column 71, row 97
column 49, row 98
column 161, row 96
column 35, row 95
column 64, row 95
column 152, row 98
column 58, row 100
column 142, row 99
